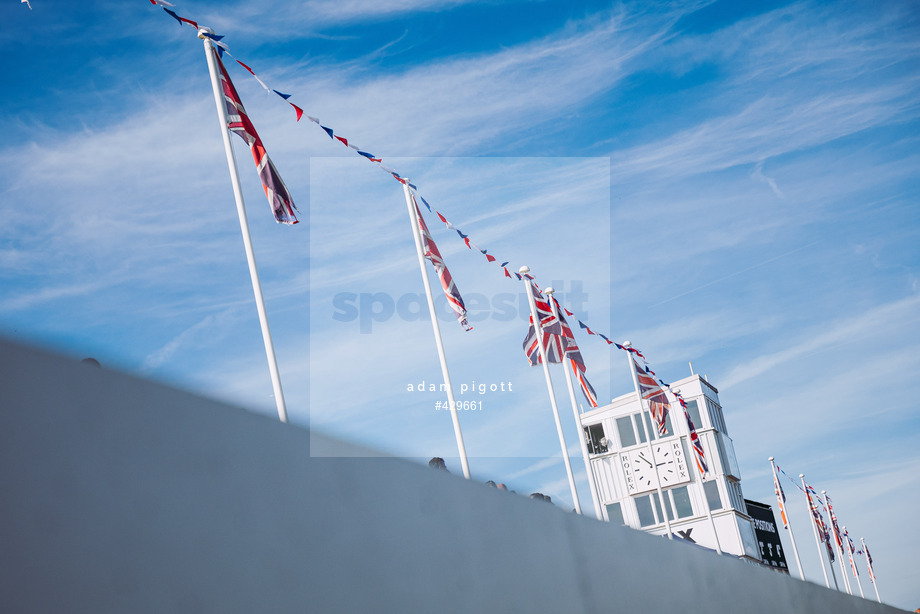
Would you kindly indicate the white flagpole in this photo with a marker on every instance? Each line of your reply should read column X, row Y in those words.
column 417, row 234
column 795, row 550
column 872, row 577
column 538, row 329
column 814, row 526
column 643, row 409
column 853, row 564
column 578, row 427
column 843, row 570
column 712, row 523
column 244, row 226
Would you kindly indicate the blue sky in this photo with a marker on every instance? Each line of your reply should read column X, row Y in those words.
column 732, row 186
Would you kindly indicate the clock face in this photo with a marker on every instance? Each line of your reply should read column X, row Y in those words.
column 639, row 471
column 641, row 466
column 671, row 466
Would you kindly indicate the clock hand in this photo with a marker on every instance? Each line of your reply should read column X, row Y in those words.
column 647, row 460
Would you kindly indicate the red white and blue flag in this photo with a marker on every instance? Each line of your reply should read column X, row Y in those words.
column 654, row 394
column 819, row 521
column 852, row 549
column 698, row 452
column 586, row 388
column 576, row 360
column 551, row 330
column 238, row 121
column 780, row 500
column 834, row 526
column 447, row 282
column 869, row 560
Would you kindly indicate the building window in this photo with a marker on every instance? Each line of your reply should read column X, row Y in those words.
column 694, row 410
column 614, row 513
column 677, row 505
column 595, row 439
column 644, row 509
column 639, row 428
column 652, row 427
column 735, row 496
column 682, row 504
column 715, row 416
column 713, row 498
column 625, row 429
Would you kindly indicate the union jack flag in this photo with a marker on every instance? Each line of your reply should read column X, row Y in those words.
column 780, row 500
column 575, row 358
column 551, row 328
column 830, row 512
column 586, row 387
column 447, row 282
column 571, row 346
column 819, row 521
column 869, row 559
column 238, row 121
column 654, row 394
column 850, row 551
column 696, row 443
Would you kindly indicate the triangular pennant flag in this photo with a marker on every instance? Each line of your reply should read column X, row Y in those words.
column 490, row 258
column 297, row 109
column 181, row 20
column 507, row 274
column 343, row 139
column 328, row 131
column 285, row 96
column 426, row 204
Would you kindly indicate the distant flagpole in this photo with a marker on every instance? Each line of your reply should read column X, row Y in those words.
column 853, row 563
column 643, row 409
column 417, row 234
column 566, row 363
column 781, row 501
column 814, row 525
column 244, row 226
column 549, row 386
column 837, row 541
column 872, row 577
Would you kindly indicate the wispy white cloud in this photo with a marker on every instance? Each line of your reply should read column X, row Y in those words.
column 858, row 329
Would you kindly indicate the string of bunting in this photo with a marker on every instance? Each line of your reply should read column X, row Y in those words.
column 332, row 134
column 378, row 161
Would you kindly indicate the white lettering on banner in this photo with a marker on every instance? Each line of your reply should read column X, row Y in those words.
column 763, row 525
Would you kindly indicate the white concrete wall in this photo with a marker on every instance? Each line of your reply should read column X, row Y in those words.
column 120, row 495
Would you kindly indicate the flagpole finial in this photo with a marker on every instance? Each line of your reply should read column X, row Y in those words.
column 802, row 475
column 548, row 290
column 770, row 459
column 627, row 344
column 203, row 32
column 823, row 492
column 524, row 269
